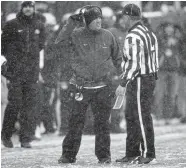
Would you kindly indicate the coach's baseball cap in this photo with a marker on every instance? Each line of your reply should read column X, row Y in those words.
column 131, row 10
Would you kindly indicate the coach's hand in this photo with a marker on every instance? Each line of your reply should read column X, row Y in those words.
column 76, row 20
column 120, row 90
column 77, row 17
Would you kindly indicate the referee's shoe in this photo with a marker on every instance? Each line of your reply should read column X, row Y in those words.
column 144, row 160
column 136, row 160
column 126, row 159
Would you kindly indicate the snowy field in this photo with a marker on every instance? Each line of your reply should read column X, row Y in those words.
column 170, row 151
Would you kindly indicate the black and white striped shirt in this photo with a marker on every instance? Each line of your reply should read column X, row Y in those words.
column 140, row 53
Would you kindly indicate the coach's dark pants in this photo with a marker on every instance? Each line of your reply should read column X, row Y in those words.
column 22, row 101
column 100, row 100
column 140, row 132
column 66, row 105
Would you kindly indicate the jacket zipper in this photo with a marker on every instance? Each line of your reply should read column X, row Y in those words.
column 27, row 40
column 93, row 77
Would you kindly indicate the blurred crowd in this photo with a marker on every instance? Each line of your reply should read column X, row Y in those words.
column 53, row 105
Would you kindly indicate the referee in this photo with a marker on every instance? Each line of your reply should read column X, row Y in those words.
column 139, row 75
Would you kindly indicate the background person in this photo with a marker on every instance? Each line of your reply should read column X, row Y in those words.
column 22, row 40
column 119, row 31
column 65, row 73
column 167, row 89
column 49, row 75
column 4, row 89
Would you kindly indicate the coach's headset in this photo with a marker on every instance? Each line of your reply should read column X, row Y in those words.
column 80, row 17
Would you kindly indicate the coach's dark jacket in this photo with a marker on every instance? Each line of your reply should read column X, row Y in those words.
column 22, row 40
column 94, row 54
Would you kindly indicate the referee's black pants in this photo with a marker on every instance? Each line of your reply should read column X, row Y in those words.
column 100, row 100
column 140, row 131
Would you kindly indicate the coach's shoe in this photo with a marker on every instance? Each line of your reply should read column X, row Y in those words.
column 143, row 160
column 63, row 159
column 7, row 142
column 25, row 145
column 126, row 159
column 104, row 161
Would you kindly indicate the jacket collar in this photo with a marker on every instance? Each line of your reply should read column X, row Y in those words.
column 135, row 25
column 92, row 32
column 25, row 19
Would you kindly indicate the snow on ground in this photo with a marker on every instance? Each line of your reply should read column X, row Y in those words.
column 169, row 141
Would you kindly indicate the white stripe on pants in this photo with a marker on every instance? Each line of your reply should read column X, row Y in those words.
column 140, row 115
